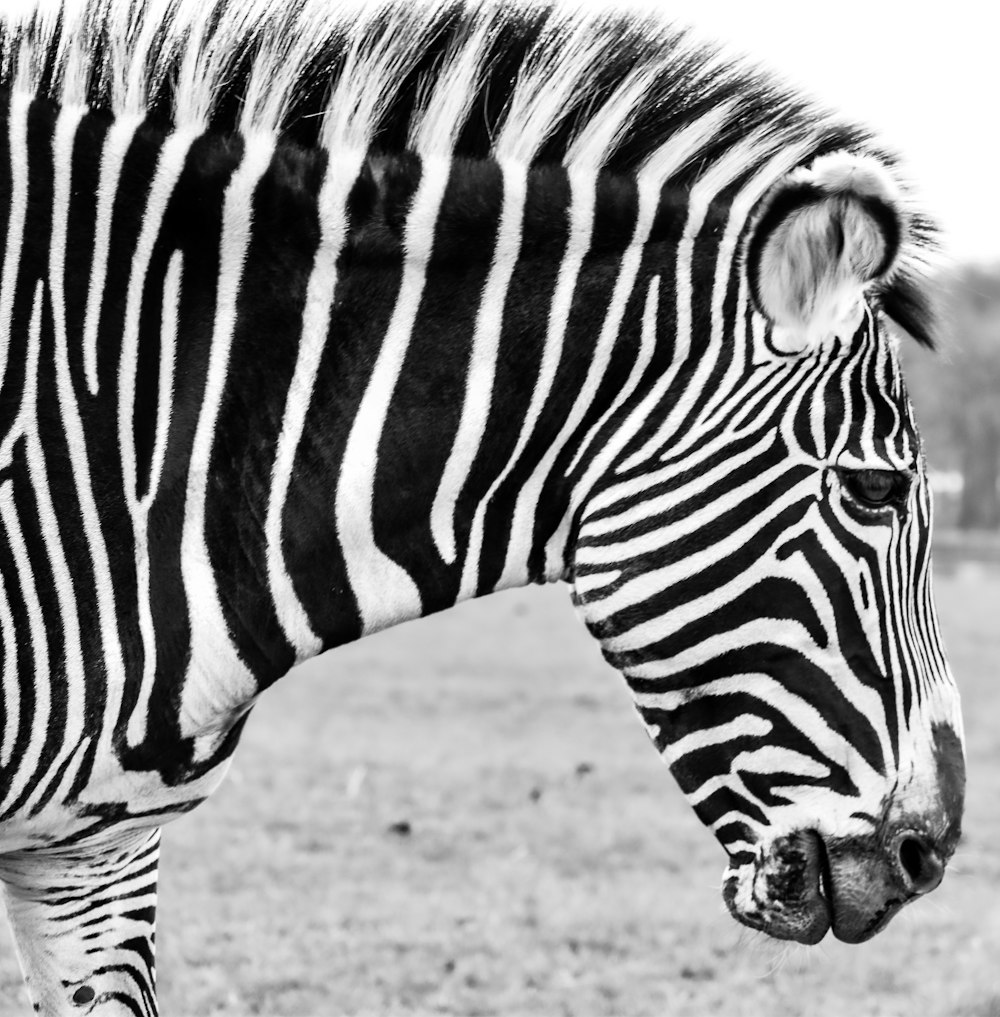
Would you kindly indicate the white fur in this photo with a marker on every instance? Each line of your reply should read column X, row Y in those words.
column 116, row 145
column 807, row 290
column 581, row 216
column 376, row 60
column 139, row 507
column 384, row 591
column 851, row 173
column 72, row 427
column 650, row 184
column 168, row 170
column 552, row 77
column 436, row 126
column 482, row 365
column 75, row 687
column 17, row 132
column 598, row 465
column 10, row 685
column 559, row 71
column 761, row 144
column 10, row 522
column 332, row 209
column 38, row 644
column 217, row 680
column 603, row 131
column 655, row 174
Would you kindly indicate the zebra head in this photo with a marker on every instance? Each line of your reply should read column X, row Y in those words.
column 757, row 563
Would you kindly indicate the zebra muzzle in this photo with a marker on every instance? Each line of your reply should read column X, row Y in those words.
column 870, row 881
column 802, row 886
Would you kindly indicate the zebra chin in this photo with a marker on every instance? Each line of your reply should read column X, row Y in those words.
column 782, row 891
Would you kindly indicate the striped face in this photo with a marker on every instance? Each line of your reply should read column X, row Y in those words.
column 763, row 582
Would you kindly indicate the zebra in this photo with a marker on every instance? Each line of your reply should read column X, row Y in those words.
column 316, row 318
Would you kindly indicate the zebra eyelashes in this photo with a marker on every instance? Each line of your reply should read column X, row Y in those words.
column 821, row 237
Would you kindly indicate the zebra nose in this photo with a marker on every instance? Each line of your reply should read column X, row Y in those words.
column 918, row 864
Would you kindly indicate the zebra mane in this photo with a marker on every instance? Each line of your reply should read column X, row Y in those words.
column 591, row 89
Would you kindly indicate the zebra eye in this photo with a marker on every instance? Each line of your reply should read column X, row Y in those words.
column 875, row 488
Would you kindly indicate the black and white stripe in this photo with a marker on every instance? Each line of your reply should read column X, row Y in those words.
column 314, row 320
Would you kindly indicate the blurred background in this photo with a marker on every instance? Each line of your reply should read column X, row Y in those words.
column 463, row 816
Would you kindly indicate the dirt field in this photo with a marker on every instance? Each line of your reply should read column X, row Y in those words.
column 463, row 816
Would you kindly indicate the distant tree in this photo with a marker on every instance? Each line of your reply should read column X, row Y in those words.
column 966, row 389
column 976, row 330
column 929, row 392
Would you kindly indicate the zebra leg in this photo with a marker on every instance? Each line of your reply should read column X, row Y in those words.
column 84, row 923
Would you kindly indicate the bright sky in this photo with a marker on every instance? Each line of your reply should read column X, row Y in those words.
column 925, row 75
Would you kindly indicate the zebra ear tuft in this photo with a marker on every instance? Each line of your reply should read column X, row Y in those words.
column 821, row 236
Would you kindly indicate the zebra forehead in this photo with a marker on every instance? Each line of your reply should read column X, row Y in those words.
column 591, row 88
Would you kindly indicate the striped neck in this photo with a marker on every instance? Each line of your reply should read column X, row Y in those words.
column 458, row 345
column 346, row 390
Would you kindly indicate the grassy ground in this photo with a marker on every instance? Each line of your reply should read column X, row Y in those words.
column 463, row 816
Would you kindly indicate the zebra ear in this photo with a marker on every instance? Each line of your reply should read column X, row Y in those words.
column 820, row 238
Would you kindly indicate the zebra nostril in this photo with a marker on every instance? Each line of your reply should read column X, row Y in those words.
column 84, row 995
column 919, row 864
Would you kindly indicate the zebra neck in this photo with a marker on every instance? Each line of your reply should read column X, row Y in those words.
column 471, row 351
column 301, row 397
